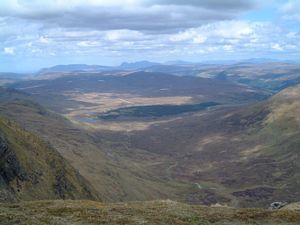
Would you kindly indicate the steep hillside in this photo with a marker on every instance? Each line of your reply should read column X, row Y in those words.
column 136, row 213
column 246, row 156
column 116, row 172
column 31, row 170
column 270, row 164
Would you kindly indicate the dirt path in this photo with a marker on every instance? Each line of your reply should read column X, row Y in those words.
column 168, row 170
column 199, row 186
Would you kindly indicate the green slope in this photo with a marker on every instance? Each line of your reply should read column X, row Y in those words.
column 30, row 169
column 264, row 163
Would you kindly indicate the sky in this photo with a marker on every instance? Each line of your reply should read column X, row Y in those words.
column 42, row 33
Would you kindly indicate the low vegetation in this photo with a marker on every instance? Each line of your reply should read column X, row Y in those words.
column 137, row 213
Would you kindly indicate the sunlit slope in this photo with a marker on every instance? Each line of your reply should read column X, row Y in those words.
column 266, row 168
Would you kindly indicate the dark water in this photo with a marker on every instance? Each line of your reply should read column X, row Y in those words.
column 154, row 110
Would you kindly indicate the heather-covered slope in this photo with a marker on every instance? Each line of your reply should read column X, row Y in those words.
column 246, row 156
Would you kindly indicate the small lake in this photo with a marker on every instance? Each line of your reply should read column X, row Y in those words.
column 154, row 110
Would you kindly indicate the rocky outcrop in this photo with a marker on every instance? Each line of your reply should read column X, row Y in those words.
column 31, row 169
column 277, row 205
column 10, row 168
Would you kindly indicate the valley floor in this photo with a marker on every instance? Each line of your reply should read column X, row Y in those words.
column 163, row 212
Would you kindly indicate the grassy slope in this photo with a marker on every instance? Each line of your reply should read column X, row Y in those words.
column 32, row 170
column 271, row 165
column 155, row 212
column 270, row 169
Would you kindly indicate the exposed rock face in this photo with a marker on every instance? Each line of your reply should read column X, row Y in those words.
column 10, row 169
column 62, row 185
column 9, row 165
column 30, row 169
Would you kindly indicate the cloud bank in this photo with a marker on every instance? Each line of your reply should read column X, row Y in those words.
column 114, row 31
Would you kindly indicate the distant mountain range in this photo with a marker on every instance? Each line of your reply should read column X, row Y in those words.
column 74, row 67
column 137, row 65
column 143, row 65
column 13, row 76
column 98, row 68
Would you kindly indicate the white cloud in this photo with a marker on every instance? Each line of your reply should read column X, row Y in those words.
column 88, row 43
column 199, row 39
column 141, row 15
column 44, row 40
column 228, row 32
column 291, row 10
column 9, row 50
column 233, row 36
column 233, row 29
column 137, row 29
column 228, row 48
column 123, row 35
column 292, row 6
column 276, row 46
column 189, row 35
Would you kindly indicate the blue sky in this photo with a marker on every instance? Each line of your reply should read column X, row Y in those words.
column 36, row 34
